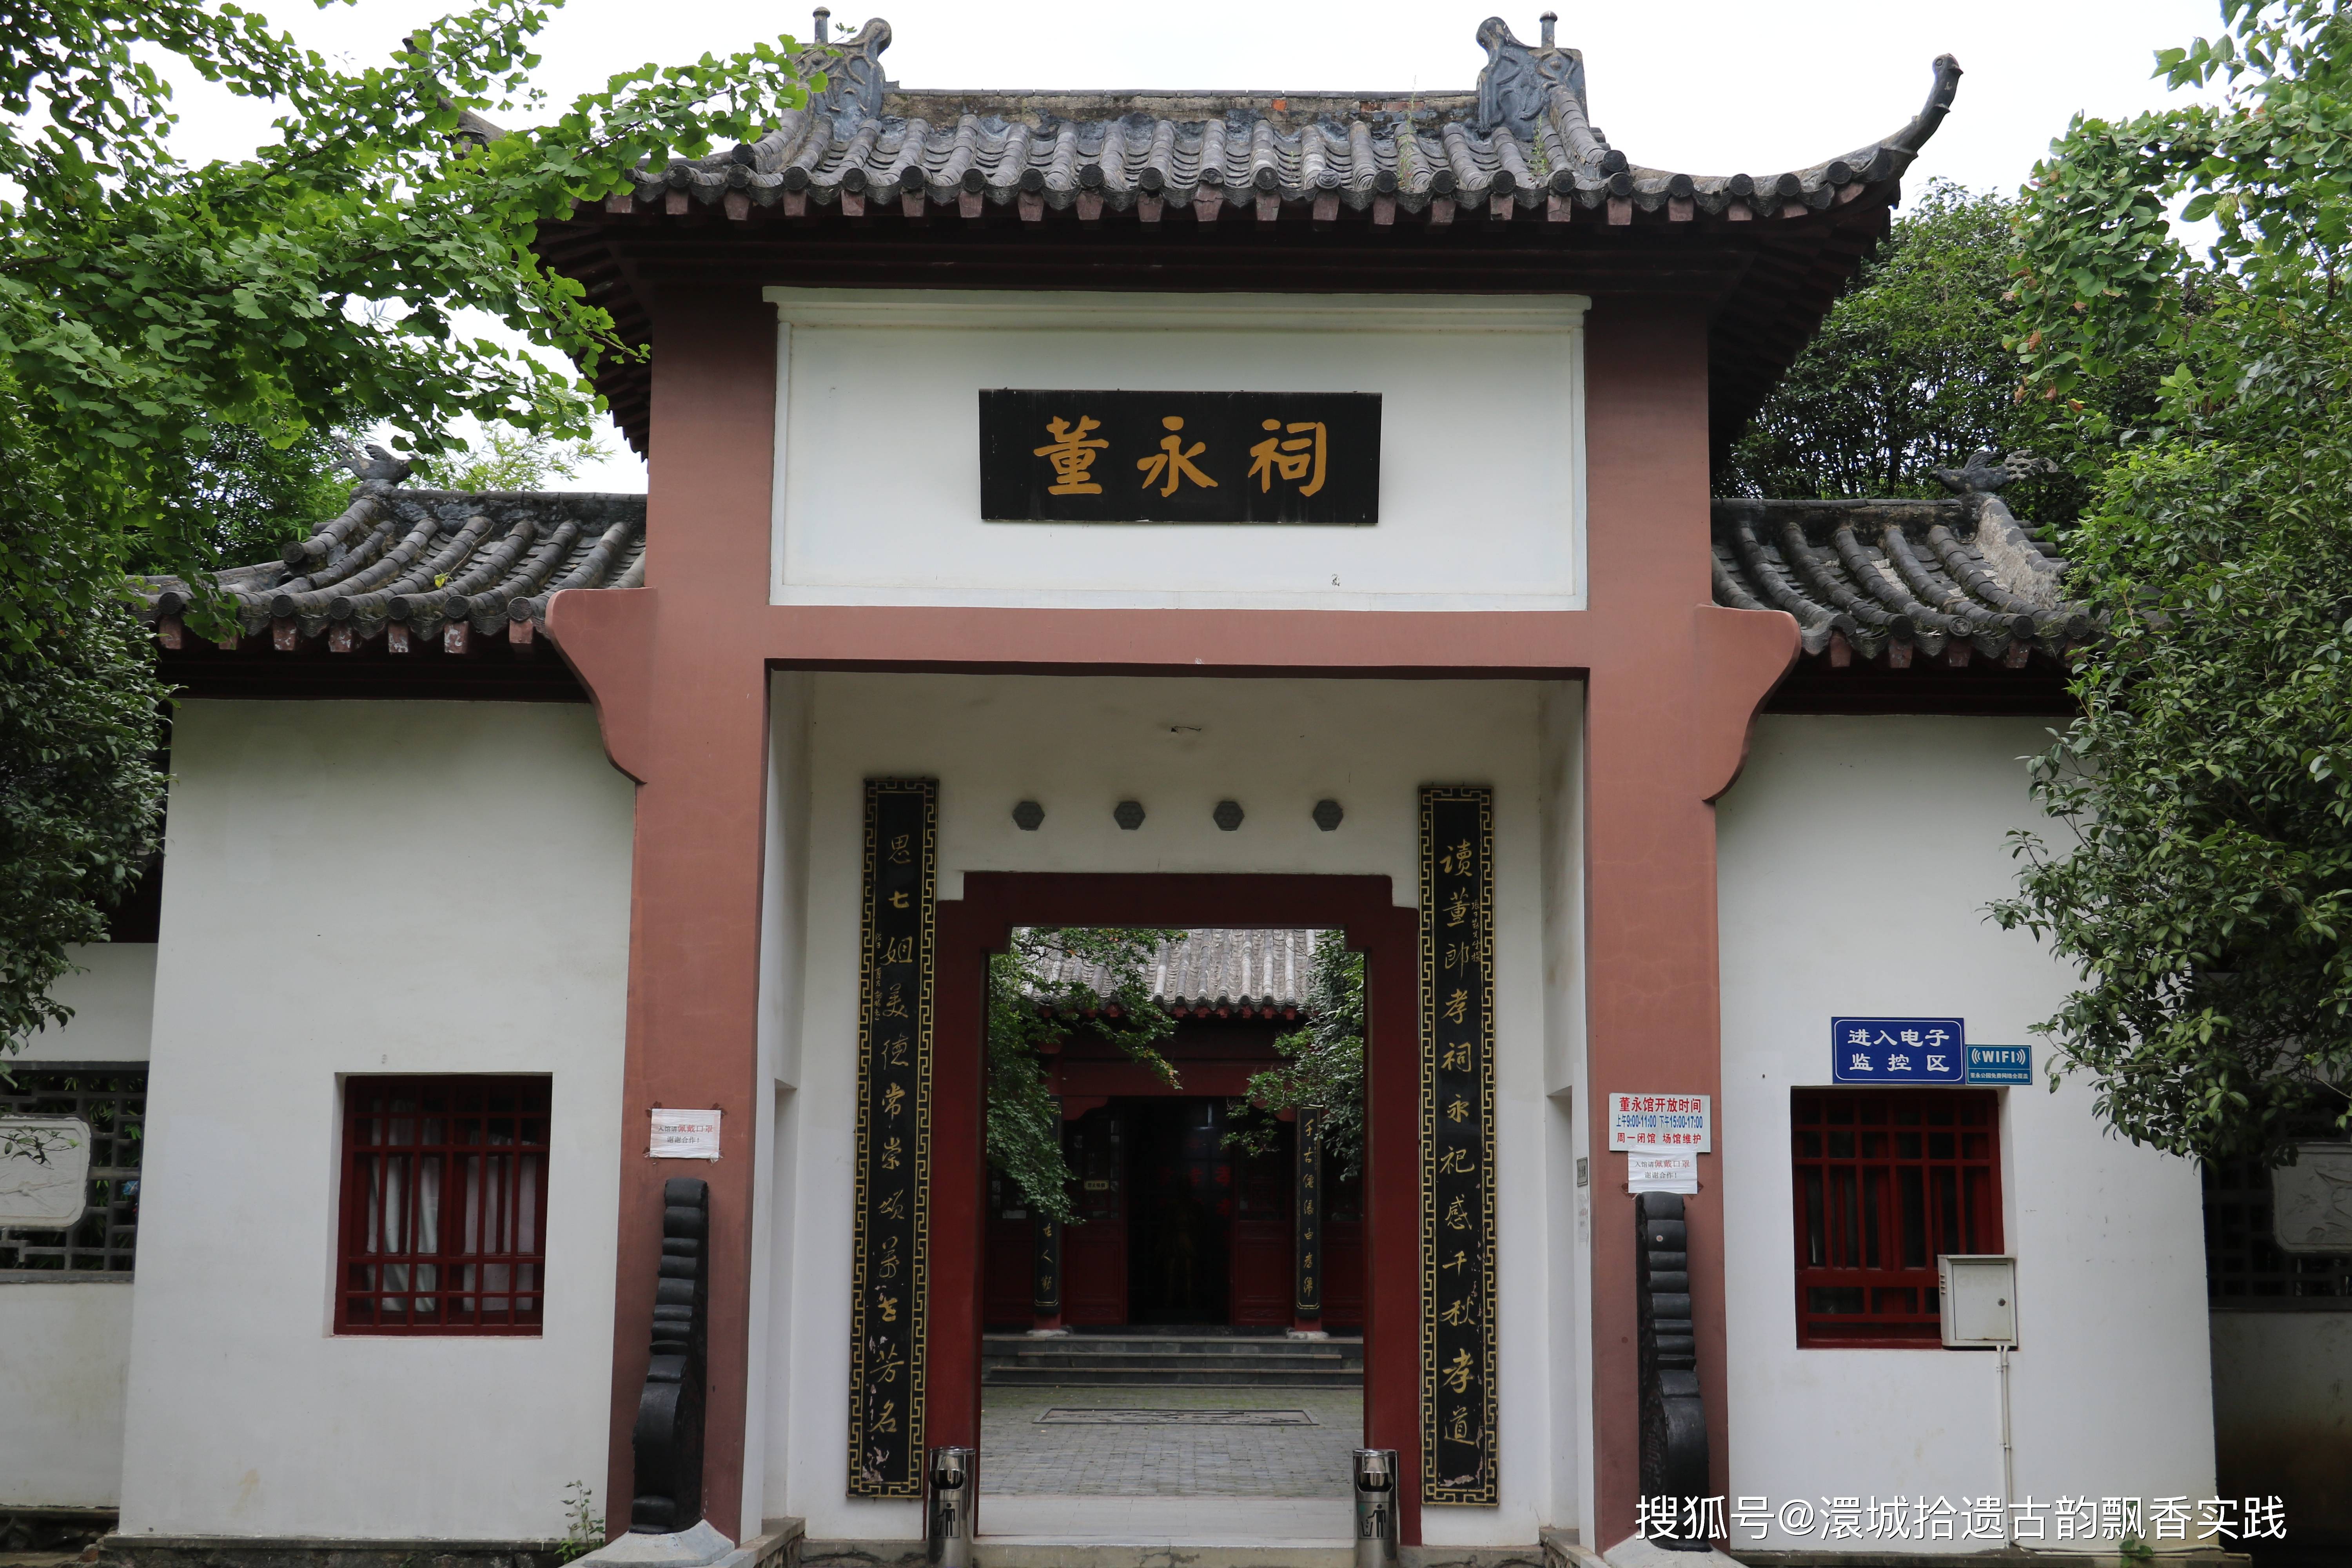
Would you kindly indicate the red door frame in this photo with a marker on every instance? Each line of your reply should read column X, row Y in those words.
column 982, row 923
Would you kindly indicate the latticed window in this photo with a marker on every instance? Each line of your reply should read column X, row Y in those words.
column 444, row 1206
column 111, row 1099
column 1885, row 1181
column 2245, row 1268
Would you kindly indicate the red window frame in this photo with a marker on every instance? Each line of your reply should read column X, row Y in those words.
column 1885, row 1181
column 444, row 1206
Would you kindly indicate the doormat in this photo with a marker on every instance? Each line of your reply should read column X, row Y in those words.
column 1066, row 1417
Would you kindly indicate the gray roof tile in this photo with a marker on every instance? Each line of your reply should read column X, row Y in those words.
column 1523, row 135
column 1234, row 971
column 424, row 560
column 1887, row 578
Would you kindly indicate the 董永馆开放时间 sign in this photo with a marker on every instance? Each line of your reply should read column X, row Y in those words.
column 1898, row 1050
column 1179, row 457
column 1662, row 1123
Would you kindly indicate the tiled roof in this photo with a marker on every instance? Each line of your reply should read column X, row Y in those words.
column 1886, row 579
column 1523, row 133
column 1506, row 187
column 1219, row 972
column 406, row 568
column 403, row 571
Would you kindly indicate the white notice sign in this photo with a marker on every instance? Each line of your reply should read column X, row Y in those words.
column 1662, row 1122
column 685, row 1135
column 44, row 1171
column 1661, row 1173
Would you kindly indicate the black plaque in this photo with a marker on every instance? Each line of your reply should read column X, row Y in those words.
column 1179, row 457
column 1457, row 1146
column 1046, row 1300
column 890, row 1246
column 1308, row 1284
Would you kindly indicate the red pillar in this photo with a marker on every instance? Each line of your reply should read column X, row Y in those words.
column 1666, row 726
column 680, row 687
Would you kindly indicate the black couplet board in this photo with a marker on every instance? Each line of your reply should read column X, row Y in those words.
column 1179, row 457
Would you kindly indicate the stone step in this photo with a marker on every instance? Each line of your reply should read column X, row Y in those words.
column 1234, row 1367
column 1190, row 1378
column 1307, row 1355
column 1004, row 1553
column 1349, row 1350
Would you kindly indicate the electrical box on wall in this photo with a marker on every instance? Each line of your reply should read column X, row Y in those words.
column 1979, row 1300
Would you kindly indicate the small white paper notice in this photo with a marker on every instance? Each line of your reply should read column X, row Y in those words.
column 1661, row 1173
column 685, row 1135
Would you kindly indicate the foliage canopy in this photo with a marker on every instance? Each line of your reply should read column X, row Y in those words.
column 1322, row 1068
column 1030, row 1013
column 180, row 346
column 2208, row 783
column 1913, row 369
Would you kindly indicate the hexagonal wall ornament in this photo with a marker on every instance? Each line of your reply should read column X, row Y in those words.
column 1129, row 813
column 1028, row 815
column 1328, row 815
column 1228, row 814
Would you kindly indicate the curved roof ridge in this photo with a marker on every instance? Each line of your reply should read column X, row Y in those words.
column 406, row 566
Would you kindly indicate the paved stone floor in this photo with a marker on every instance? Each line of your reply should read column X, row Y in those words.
column 1021, row 1457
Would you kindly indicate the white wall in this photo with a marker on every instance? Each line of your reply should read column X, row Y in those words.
column 113, row 995
column 62, row 1353
column 783, row 957
column 65, row 1348
column 1078, row 746
column 1560, row 716
column 1857, row 857
column 877, row 443
column 371, row 888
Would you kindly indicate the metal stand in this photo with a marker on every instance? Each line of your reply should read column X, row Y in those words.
column 953, row 1478
column 1376, row 1513
column 2008, row 1455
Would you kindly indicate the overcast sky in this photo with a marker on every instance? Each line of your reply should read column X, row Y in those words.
column 1707, row 86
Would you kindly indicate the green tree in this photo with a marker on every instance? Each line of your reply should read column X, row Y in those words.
column 78, row 795
column 1912, row 371
column 1322, row 1068
column 177, row 343
column 1053, row 983
column 509, row 460
column 2207, row 787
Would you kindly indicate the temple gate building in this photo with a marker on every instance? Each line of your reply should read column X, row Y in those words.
column 1235, row 514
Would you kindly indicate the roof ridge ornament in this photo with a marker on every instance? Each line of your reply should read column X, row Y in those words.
column 1941, row 91
column 1986, row 472
column 854, row 82
column 1517, row 80
column 375, row 468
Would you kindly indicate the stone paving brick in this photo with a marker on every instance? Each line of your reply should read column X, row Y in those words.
column 1020, row 1456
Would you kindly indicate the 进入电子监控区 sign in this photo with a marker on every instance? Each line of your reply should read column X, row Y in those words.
column 1897, row 1051
column 1179, row 457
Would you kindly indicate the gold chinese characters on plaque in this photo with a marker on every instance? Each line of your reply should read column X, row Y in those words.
column 1179, row 457
column 890, row 1241
column 1457, row 1146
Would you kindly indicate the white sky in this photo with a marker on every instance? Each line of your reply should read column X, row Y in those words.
column 1707, row 86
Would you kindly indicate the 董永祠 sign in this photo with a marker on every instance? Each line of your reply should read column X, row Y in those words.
column 1179, row 457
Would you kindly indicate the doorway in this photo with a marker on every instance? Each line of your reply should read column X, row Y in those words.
column 1185, row 1232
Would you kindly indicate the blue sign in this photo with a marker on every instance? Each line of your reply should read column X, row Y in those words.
column 1897, row 1051
column 2001, row 1063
